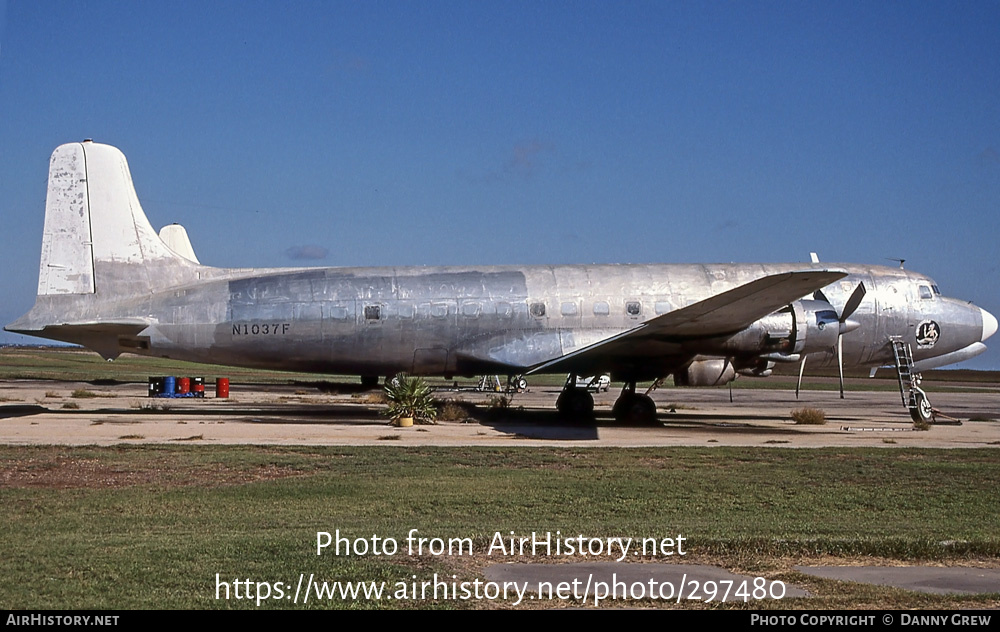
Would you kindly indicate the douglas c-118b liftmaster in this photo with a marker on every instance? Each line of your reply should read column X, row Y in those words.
column 109, row 282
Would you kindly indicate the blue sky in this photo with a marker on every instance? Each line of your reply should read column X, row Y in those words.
column 408, row 133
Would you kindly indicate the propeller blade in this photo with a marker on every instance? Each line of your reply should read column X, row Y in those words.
column 853, row 302
column 802, row 368
column 840, row 362
column 850, row 307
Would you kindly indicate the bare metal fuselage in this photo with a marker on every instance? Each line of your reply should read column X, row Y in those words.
column 109, row 282
column 465, row 321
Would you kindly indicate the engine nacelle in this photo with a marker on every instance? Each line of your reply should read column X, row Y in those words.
column 804, row 327
column 816, row 326
column 714, row 372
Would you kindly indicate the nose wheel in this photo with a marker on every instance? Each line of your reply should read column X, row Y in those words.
column 920, row 407
column 914, row 398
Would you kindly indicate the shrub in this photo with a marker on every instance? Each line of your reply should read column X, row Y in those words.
column 452, row 411
column 809, row 416
column 374, row 397
column 410, row 397
column 498, row 402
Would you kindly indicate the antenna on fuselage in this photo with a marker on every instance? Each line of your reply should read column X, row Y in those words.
column 901, row 261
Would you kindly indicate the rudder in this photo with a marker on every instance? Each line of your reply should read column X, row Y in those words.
column 97, row 238
column 67, row 264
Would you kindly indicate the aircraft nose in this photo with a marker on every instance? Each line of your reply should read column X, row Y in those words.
column 989, row 324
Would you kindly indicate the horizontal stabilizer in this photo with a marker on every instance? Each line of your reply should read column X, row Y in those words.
column 109, row 339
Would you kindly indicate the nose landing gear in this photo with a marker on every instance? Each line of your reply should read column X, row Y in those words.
column 914, row 398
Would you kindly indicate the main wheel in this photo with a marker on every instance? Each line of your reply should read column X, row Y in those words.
column 634, row 409
column 575, row 403
column 922, row 412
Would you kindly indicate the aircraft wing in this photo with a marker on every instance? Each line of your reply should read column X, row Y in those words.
column 725, row 313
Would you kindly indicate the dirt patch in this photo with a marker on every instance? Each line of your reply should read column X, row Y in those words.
column 58, row 471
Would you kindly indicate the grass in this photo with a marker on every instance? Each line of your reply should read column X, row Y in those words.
column 79, row 365
column 81, row 393
column 76, row 364
column 453, row 411
column 150, row 526
column 372, row 398
column 149, row 406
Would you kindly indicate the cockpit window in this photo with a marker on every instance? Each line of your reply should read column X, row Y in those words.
column 936, row 290
column 925, row 292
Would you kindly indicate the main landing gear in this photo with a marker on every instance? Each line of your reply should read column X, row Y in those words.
column 575, row 403
column 633, row 408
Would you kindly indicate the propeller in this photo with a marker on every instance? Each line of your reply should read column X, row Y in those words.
column 851, row 306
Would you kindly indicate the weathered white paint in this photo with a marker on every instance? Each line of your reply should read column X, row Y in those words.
column 176, row 238
column 67, row 264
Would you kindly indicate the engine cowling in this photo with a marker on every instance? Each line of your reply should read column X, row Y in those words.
column 816, row 326
column 713, row 372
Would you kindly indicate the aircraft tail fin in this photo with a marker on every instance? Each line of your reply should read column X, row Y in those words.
column 99, row 251
column 176, row 238
column 97, row 239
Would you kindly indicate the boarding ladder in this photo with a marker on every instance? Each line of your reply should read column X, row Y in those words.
column 904, row 369
column 914, row 398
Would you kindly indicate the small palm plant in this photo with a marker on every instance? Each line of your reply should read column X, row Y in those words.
column 410, row 397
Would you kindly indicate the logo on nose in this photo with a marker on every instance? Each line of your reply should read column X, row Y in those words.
column 928, row 333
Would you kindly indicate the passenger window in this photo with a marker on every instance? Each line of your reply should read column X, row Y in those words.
column 439, row 310
column 601, row 308
column 662, row 307
column 633, row 308
column 471, row 310
column 925, row 292
column 373, row 312
column 405, row 310
column 538, row 310
column 568, row 309
column 504, row 310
